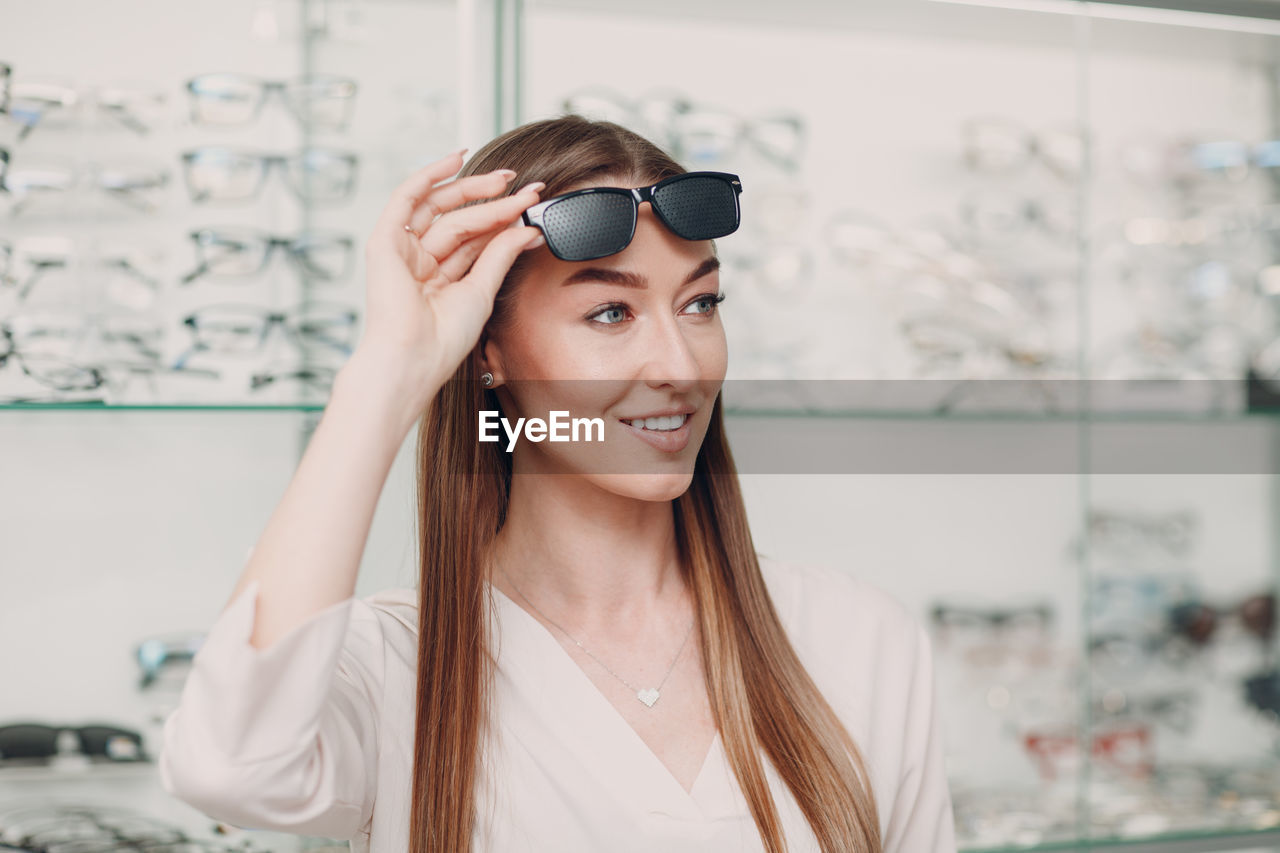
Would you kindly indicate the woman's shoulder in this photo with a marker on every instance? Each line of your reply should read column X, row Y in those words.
column 860, row 643
column 392, row 612
column 871, row 658
column 814, row 597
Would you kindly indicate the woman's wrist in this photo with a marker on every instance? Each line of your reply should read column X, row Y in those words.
column 384, row 388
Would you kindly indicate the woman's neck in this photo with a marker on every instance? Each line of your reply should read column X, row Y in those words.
column 590, row 559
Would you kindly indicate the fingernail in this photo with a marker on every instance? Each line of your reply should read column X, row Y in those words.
column 506, row 173
column 535, row 186
column 463, row 151
column 535, row 242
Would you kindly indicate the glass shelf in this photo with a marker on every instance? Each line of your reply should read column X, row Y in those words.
column 1118, row 417
column 105, row 407
column 1182, row 842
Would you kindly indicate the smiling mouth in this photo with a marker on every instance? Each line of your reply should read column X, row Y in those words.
column 667, row 423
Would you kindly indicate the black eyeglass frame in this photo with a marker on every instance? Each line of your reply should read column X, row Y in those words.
column 92, row 376
column 294, row 323
column 94, row 739
column 534, row 215
column 6, row 80
column 295, row 248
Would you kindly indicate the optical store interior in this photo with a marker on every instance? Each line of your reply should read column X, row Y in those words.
column 1003, row 316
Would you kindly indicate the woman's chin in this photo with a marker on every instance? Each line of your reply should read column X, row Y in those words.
column 647, row 487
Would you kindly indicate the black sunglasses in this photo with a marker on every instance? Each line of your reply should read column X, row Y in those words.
column 40, row 741
column 599, row 221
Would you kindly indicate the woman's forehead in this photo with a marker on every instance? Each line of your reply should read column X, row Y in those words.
column 621, row 180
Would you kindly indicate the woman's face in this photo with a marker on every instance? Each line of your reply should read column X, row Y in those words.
column 622, row 336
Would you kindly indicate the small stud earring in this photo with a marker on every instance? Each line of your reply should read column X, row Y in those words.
column 486, row 378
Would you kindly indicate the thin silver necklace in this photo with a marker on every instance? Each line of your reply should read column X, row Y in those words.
column 649, row 695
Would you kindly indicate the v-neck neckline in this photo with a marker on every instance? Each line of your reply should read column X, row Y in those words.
column 689, row 803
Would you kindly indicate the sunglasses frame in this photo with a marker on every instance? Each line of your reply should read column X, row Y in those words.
column 94, row 740
column 534, row 215
column 1199, row 622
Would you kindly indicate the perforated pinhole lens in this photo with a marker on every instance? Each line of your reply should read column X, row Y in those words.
column 590, row 226
column 698, row 207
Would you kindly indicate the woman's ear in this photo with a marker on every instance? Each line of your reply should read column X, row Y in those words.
column 490, row 358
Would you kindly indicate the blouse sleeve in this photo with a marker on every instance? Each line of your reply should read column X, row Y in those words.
column 922, row 818
column 282, row 738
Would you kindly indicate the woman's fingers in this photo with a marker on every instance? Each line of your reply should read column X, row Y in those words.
column 454, row 194
column 405, row 198
column 472, row 300
column 459, row 263
column 456, row 265
column 449, row 232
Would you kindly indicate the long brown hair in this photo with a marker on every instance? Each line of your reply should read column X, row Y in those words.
column 760, row 694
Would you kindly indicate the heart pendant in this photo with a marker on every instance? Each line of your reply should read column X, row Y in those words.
column 648, row 696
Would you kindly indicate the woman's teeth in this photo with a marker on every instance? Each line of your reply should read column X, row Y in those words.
column 662, row 424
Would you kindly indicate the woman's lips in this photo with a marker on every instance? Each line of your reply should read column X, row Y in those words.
column 671, row 440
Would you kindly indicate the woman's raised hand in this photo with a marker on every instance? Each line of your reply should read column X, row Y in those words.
column 430, row 292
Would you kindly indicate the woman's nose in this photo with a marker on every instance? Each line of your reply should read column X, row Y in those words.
column 670, row 353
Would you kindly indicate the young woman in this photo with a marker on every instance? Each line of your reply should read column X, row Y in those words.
column 596, row 658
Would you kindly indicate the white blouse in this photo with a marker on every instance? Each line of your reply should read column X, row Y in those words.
column 314, row 735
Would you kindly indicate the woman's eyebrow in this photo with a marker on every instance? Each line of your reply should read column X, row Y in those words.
column 631, row 279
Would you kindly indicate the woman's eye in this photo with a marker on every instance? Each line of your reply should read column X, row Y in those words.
column 607, row 311
column 618, row 310
column 711, row 300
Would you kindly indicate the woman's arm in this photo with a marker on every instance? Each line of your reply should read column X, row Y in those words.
column 308, row 557
column 277, row 726
column 284, row 738
column 433, row 269
column 278, row 723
